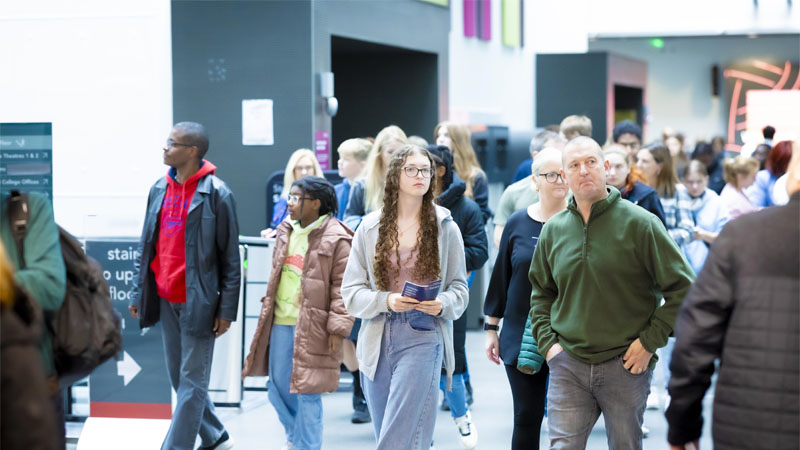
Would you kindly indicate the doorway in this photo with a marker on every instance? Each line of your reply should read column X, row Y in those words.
column 379, row 85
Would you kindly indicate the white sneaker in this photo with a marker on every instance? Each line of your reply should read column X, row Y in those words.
column 645, row 431
column 653, row 401
column 467, row 431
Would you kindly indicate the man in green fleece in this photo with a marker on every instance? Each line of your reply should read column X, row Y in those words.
column 598, row 275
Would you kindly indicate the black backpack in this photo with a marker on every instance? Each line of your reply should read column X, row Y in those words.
column 86, row 329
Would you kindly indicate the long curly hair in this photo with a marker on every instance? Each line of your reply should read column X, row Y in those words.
column 427, row 245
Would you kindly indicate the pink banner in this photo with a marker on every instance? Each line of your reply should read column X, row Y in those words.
column 470, row 17
column 485, row 20
column 322, row 145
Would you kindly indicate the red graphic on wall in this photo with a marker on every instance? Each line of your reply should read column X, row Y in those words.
column 755, row 74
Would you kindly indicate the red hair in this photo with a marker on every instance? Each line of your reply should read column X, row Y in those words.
column 778, row 158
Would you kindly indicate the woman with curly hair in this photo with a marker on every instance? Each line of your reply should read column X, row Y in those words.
column 402, row 340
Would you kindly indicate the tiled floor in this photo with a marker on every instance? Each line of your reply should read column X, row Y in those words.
column 255, row 425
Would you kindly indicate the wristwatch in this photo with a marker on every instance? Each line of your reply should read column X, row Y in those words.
column 487, row 326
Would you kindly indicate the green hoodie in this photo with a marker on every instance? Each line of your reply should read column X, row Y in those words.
column 597, row 286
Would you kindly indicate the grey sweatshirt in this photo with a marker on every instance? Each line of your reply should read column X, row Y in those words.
column 363, row 299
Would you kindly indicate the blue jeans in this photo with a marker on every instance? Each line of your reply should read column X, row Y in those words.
column 300, row 414
column 580, row 392
column 402, row 397
column 457, row 396
column 189, row 369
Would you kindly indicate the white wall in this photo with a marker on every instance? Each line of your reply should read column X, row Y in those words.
column 101, row 72
column 679, row 77
column 490, row 83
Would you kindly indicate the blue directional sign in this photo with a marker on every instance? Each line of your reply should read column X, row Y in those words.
column 136, row 384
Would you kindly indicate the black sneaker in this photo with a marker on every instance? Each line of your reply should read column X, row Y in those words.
column 361, row 416
column 224, row 442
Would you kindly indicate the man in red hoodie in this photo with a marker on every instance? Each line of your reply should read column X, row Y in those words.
column 188, row 276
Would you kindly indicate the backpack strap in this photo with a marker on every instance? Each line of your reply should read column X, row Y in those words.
column 18, row 216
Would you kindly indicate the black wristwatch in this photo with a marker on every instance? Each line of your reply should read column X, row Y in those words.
column 487, row 326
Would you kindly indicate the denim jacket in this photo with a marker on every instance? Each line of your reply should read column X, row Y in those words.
column 213, row 266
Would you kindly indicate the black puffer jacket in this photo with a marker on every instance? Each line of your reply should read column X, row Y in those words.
column 468, row 216
column 745, row 310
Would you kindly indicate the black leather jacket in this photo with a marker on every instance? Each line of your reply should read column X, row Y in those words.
column 213, row 266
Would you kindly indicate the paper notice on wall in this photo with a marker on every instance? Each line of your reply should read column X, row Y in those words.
column 257, row 122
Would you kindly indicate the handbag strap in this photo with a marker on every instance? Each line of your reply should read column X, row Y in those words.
column 18, row 216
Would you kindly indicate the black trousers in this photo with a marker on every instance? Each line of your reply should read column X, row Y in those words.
column 529, row 392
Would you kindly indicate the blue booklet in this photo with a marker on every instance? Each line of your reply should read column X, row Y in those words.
column 422, row 293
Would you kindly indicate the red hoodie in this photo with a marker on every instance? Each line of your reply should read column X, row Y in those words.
column 169, row 265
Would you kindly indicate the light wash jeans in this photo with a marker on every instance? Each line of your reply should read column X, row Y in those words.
column 457, row 396
column 402, row 397
column 300, row 414
column 579, row 393
column 189, row 369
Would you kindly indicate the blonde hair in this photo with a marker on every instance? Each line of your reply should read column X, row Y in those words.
column 356, row 148
column 465, row 163
column 744, row 165
column 581, row 125
column 6, row 279
column 374, row 172
column 288, row 174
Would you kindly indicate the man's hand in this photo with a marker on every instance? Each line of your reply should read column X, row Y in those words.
column 554, row 350
column 398, row 303
column 134, row 310
column 636, row 358
column 492, row 347
column 432, row 307
column 695, row 445
column 221, row 326
column 334, row 343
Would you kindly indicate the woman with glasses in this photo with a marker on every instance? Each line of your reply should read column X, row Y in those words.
column 630, row 181
column 298, row 340
column 509, row 294
column 403, row 340
column 709, row 211
column 303, row 163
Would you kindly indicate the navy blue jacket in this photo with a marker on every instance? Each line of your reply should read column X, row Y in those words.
column 646, row 197
column 468, row 216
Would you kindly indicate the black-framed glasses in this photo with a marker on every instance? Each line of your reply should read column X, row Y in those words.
column 552, row 177
column 413, row 172
column 171, row 143
column 296, row 198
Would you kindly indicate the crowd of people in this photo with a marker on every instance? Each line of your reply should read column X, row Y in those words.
column 598, row 247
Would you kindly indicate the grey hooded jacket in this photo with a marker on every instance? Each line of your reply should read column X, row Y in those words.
column 363, row 299
column 213, row 266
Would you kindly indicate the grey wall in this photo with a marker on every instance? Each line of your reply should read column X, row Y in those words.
column 409, row 24
column 227, row 51
column 572, row 84
column 679, row 77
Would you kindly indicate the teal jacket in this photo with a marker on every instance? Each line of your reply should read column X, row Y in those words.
column 597, row 286
column 529, row 360
column 44, row 276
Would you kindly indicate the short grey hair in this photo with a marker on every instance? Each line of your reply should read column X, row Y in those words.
column 541, row 139
column 584, row 141
column 546, row 154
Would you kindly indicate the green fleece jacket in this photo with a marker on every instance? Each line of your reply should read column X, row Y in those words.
column 597, row 286
column 44, row 276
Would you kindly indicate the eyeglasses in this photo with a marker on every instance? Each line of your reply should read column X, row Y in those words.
column 296, row 198
column 413, row 172
column 171, row 143
column 551, row 177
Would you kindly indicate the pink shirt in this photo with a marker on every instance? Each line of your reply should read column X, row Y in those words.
column 736, row 201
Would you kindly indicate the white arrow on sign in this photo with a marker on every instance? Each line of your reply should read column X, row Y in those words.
column 127, row 368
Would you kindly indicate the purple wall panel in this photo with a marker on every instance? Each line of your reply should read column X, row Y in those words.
column 486, row 20
column 470, row 18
